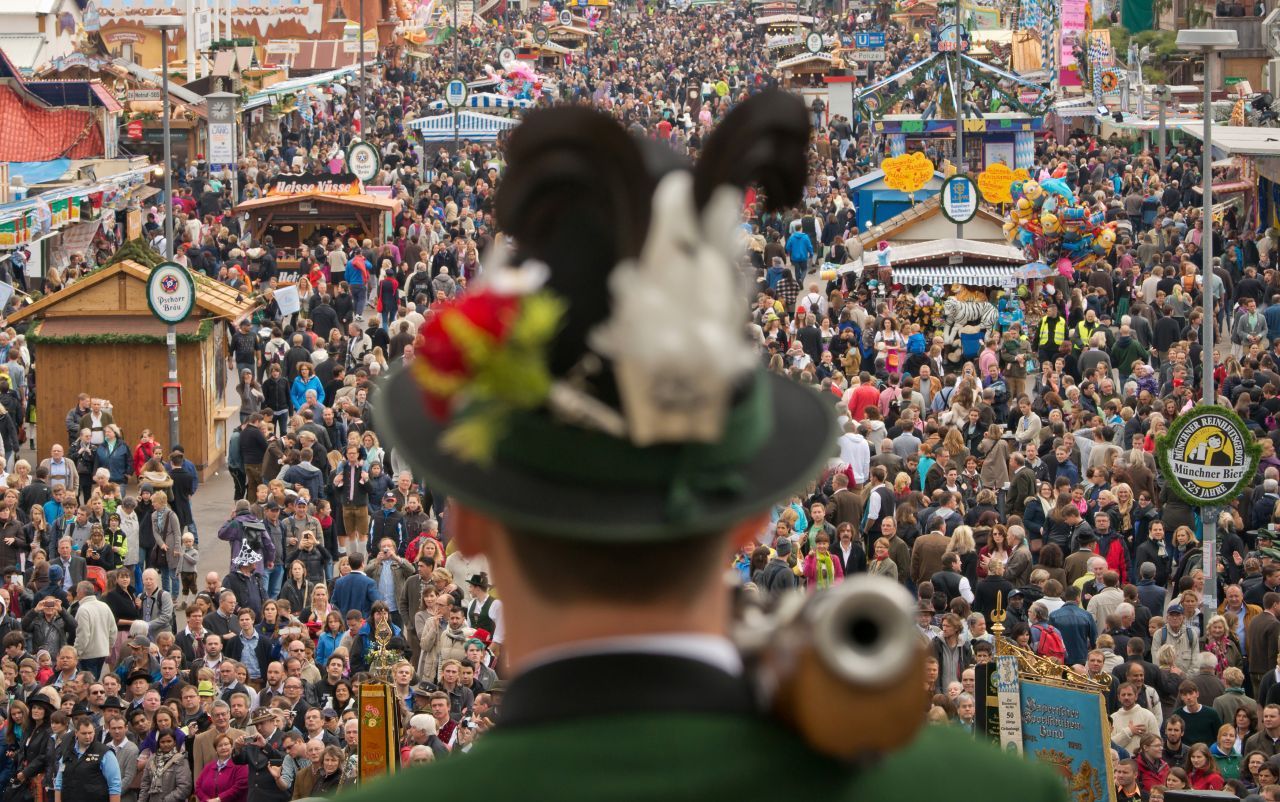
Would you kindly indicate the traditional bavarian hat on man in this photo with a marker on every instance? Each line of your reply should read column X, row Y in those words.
column 601, row 374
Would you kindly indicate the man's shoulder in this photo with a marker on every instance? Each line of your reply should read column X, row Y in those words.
column 614, row 759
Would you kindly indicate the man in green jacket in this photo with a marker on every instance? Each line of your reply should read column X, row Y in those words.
column 1126, row 351
column 609, row 510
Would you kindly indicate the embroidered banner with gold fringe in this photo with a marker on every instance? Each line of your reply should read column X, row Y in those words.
column 379, row 730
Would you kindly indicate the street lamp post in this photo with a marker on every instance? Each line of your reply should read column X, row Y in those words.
column 164, row 23
column 1162, row 97
column 1207, row 42
column 364, row 88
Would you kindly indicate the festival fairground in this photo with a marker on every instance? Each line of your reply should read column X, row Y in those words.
column 868, row 400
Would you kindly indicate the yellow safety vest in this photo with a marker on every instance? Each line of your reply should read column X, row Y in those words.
column 1058, row 334
column 1084, row 332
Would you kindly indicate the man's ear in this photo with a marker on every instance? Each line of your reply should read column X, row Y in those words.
column 470, row 529
column 746, row 532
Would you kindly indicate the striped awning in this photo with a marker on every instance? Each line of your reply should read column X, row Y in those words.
column 980, row 276
column 485, row 100
column 471, row 125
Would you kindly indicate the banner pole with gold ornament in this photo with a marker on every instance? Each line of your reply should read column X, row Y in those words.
column 379, row 712
column 1053, row 714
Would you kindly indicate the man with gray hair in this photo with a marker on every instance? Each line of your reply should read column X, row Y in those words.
column 1105, row 601
column 1206, row 679
column 1018, row 569
column 202, row 746
column 421, row 731
column 1264, row 506
column 95, row 628
column 419, row 754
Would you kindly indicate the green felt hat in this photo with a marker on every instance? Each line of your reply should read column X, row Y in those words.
column 598, row 385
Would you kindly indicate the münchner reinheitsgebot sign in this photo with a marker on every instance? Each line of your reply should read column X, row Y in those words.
column 1208, row 455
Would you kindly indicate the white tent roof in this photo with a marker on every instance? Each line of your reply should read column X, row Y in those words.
column 925, row 251
column 1237, row 140
column 804, row 58
column 486, row 100
column 784, row 19
column 471, row 125
column 23, row 49
column 26, row 7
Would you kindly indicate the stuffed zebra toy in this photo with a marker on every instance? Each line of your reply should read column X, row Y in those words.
column 957, row 313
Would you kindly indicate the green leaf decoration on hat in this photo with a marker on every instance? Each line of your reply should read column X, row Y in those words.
column 498, row 344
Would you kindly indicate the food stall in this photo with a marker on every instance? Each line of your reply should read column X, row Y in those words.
column 300, row 209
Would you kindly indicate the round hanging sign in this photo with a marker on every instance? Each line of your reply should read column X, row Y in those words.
column 455, row 94
column 171, row 292
column 540, row 34
column 959, row 199
column 363, row 161
column 813, row 42
column 1208, row 456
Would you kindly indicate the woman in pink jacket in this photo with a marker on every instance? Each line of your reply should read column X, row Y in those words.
column 821, row 570
column 221, row 780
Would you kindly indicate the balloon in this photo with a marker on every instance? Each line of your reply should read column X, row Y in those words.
column 1057, row 186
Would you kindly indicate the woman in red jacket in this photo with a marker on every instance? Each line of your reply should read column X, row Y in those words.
column 221, row 779
column 1152, row 768
column 1203, row 770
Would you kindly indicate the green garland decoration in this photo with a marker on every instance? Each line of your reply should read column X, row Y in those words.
column 896, row 97
column 201, row 334
column 137, row 250
column 1163, row 443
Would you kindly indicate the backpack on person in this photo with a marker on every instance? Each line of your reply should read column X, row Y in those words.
column 1050, row 643
column 895, row 408
column 98, row 576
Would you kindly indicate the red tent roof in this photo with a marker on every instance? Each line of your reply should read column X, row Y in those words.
column 33, row 134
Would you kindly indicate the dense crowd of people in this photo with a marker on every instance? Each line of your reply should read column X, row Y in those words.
column 1023, row 472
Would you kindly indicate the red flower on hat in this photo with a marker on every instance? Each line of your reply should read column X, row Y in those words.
column 442, row 364
column 485, row 353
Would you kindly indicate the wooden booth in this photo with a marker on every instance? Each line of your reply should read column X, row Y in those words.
column 808, row 69
column 299, row 209
column 98, row 336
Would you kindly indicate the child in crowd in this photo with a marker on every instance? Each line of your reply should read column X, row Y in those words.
column 187, row 566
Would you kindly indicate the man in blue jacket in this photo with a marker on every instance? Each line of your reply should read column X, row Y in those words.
column 1079, row 630
column 357, row 276
column 800, row 250
column 355, row 591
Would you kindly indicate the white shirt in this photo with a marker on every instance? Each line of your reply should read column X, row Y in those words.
column 813, row 303
column 855, row 453
column 1120, row 721
column 873, row 504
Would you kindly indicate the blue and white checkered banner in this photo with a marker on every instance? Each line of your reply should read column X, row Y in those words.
column 1024, row 149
